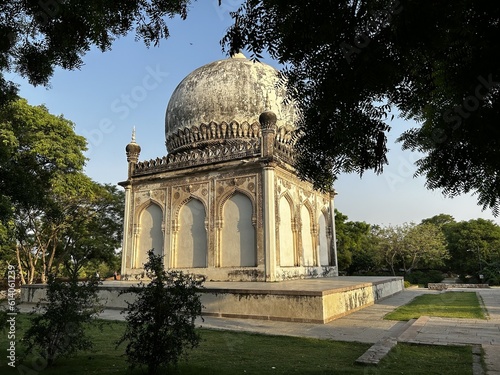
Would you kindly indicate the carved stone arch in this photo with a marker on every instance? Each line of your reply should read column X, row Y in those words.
column 186, row 201
column 150, row 231
column 229, row 194
column 326, row 211
column 143, row 206
column 286, row 194
column 308, row 231
column 324, row 237
column 286, row 230
column 191, row 240
column 237, row 244
column 310, row 209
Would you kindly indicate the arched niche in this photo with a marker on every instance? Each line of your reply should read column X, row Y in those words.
column 151, row 233
column 191, row 249
column 307, row 240
column 286, row 234
column 238, row 244
column 324, row 251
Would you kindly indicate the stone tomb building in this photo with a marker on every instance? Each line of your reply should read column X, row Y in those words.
column 225, row 201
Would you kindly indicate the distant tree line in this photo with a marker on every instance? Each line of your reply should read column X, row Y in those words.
column 467, row 249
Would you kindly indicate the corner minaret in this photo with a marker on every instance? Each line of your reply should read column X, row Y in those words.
column 268, row 121
column 133, row 150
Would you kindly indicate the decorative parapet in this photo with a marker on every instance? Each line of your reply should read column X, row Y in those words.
column 214, row 143
column 212, row 133
column 237, row 149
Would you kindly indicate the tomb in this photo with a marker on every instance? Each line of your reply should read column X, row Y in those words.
column 225, row 201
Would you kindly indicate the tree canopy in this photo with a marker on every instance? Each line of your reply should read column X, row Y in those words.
column 37, row 36
column 36, row 150
column 51, row 213
column 349, row 62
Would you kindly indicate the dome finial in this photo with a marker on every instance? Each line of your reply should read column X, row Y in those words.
column 238, row 55
column 266, row 103
column 133, row 134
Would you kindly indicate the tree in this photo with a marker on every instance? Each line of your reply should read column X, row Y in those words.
column 37, row 36
column 84, row 224
column 161, row 321
column 52, row 212
column 425, row 246
column 59, row 327
column 473, row 245
column 440, row 220
column 409, row 246
column 391, row 245
column 94, row 229
column 36, row 148
column 356, row 245
column 349, row 62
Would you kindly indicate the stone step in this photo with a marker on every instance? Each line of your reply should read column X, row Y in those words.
column 381, row 348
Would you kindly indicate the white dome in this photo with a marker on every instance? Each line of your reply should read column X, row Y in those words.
column 230, row 90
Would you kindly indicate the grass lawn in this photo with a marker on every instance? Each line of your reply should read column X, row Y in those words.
column 446, row 305
column 229, row 353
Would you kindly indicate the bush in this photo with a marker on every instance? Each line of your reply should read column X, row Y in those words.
column 59, row 328
column 407, row 284
column 421, row 277
column 161, row 321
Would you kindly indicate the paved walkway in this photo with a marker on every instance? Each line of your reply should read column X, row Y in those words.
column 367, row 325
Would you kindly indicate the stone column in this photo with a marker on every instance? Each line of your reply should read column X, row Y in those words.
column 268, row 128
column 269, row 223
column 334, row 234
column 127, row 235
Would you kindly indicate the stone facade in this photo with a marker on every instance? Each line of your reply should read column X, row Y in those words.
column 225, row 202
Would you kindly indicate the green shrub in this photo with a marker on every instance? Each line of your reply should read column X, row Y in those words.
column 407, row 284
column 161, row 321
column 59, row 328
column 425, row 277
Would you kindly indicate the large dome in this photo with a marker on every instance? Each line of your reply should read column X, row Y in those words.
column 231, row 91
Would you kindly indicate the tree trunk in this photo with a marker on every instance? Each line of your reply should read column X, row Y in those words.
column 20, row 265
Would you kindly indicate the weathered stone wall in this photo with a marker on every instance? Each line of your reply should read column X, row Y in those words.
column 319, row 305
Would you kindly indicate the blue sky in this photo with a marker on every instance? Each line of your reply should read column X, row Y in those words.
column 131, row 85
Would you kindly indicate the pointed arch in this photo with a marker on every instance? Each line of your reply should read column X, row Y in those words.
column 151, row 232
column 226, row 196
column 238, row 246
column 286, row 235
column 324, row 248
column 307, row 217
column 191, row 247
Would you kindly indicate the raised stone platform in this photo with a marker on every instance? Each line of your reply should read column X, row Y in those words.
column 308, row 300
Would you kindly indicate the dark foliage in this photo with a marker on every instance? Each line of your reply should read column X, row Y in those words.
column 37, row 36
column 59, row 326
column 349, row 62
column 161, row 321
column 424, row 277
